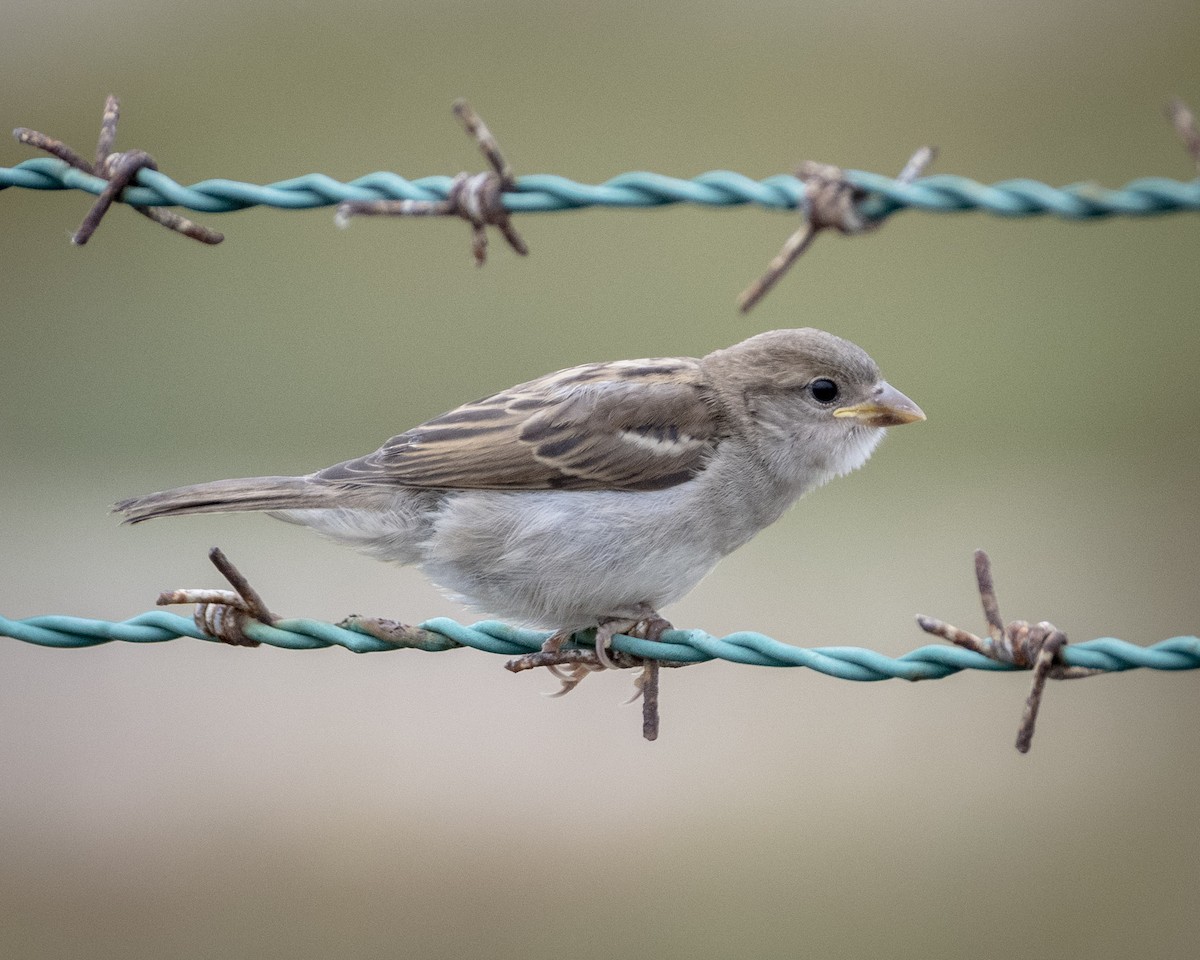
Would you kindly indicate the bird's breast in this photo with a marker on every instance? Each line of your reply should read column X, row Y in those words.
column 567, row 558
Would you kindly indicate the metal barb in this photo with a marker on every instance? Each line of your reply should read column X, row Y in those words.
column 1029, row 646
column 120, row 170
column 56, row 148
column 254, row 602
column 477, row 198
column 488, row 146
column 223, row 614
column 648, row 685
column 108, row 130
column 1184, row 122
column 831, row 202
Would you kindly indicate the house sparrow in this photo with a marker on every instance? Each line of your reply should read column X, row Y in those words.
column 593, row 496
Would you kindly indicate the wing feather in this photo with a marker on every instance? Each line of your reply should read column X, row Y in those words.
column 628, row 425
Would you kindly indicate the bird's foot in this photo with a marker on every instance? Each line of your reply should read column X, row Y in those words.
column 224, row 614
column 572, row 665
column 648, row 625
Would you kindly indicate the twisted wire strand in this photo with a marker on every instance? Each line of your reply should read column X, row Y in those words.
column 930, row 662
column 541, row 193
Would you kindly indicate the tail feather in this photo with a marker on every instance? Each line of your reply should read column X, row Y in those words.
column 228, row 496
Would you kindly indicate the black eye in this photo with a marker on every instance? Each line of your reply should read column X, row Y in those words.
column 823, row 390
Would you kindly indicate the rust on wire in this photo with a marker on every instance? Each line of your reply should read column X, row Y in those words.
column 223, row 614
column 477, row 198
column 1031, row 646
column 1184, row 122
column 119, row 169
column 830, row 202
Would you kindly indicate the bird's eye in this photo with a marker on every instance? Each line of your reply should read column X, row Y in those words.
column 823, row 390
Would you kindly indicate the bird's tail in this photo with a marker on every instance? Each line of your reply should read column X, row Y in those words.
column 227, row 496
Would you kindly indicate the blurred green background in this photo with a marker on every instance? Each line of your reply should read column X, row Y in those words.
column 187, row 800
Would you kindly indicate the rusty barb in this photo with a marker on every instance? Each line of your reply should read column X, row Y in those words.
column 1036, row 647
column 119, row 169
column 223, row 614
column 477, row 198
column 830, row 203
column 1185, row 125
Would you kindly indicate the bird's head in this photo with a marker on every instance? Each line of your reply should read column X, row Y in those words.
column 815, row 405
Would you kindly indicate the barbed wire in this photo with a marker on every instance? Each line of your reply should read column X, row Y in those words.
column 848, row 201
column 931, row 662
column 548, row 193
column 241, row 617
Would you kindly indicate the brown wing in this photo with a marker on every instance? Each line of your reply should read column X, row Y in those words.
column 628, row 425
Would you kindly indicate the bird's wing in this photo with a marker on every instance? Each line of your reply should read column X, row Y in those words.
column 627, row 425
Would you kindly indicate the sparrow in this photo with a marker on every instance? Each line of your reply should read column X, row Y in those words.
column 594, row 496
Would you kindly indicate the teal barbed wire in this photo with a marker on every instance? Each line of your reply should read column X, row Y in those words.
column 931, row 662
column 543, row 193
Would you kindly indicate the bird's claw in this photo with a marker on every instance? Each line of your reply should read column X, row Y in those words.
column 569, row 678
column 641, row 681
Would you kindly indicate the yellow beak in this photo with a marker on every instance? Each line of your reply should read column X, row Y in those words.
column 888, row 407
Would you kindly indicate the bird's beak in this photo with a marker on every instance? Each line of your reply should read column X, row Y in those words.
column 888, row 407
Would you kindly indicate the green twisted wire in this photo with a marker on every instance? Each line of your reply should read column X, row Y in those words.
column 930, row 662
column 540, row 193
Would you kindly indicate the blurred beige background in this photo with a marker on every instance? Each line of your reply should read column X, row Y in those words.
column 186, row 800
